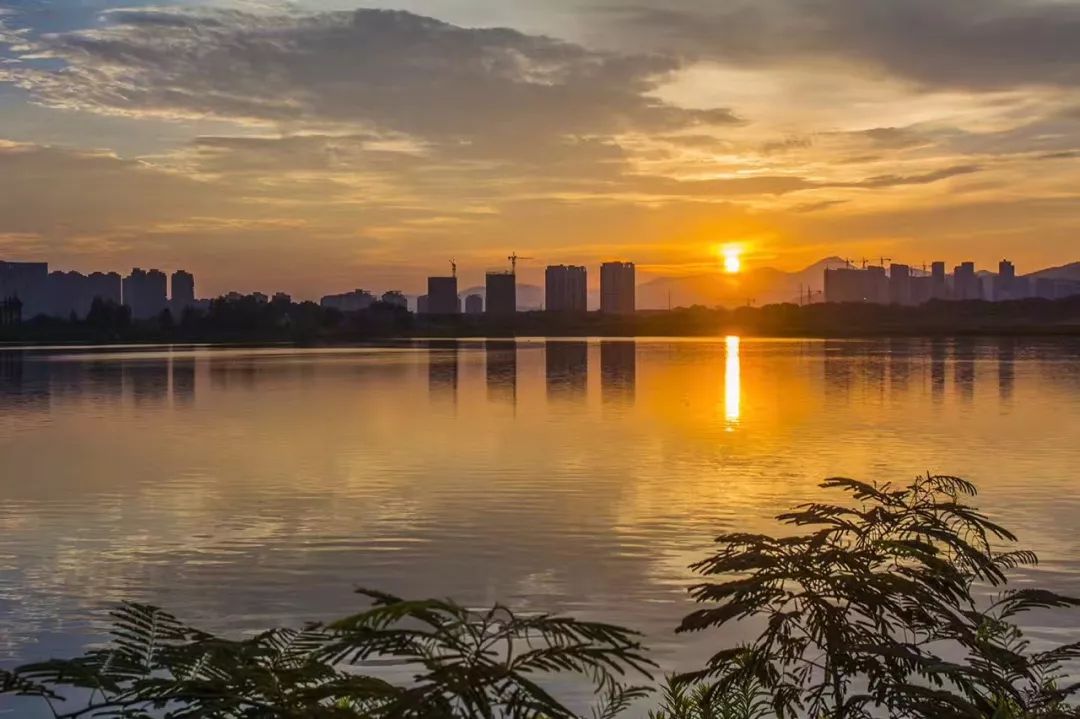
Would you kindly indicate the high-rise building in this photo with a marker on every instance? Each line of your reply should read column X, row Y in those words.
column 144, row 291
column 1005, row 282
column 922, row 289
column 844, row 284
column 182, row 291
column 26, row 281
column 900, row 284
column 966, row 285
column 877, row 285
column 566, row 289
column 501, row 293
column 106, row 286
column 939, row 286
column 474, row 305
column 617, row 288
column 442, row 296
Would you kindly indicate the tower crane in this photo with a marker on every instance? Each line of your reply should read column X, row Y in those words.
column 453, row 268
column 513, row 258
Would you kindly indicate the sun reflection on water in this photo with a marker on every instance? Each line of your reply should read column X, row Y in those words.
column 732, row 381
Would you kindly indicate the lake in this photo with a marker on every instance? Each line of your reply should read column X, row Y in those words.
column 243, row 488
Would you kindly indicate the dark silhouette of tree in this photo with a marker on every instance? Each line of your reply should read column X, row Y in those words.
column 463, row 664
column 107, row 315
column 876, row 609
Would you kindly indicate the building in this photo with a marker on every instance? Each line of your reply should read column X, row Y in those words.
column 354, row 301
column 145, row 292
column 283, row 298
column 966, row 285
column 617, row 288
column 395, row 298
column 422, row 305
column 566, row 289
column 501, row 293
column 182, row 291
column 442, row 296
column 107, row 286
column 474, row 305
column 844, row 284
column 900, row 284
column 847, row 284
column 922, row 289
column 939, row 285
column 73, row 293
column 26, row 281
column 1005, row 285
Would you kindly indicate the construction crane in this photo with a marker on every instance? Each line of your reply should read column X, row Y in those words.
column 514, row 260
column 884, row 260
column 453, row 268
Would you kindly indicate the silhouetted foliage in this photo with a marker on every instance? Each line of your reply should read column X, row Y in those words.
column 876, row 609
column 680, row 700
column 107, row 315
column 462, row 664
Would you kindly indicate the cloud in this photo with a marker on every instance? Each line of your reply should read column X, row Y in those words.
column 965, row 44
column 369, row 70
column 882, row 181
column 56, row 192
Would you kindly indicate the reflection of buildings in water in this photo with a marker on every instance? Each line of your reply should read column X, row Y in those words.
column 567, row 368
column 964, row 368
column 183, row 380
column 837, row 365
column 938, row 354
column 732, row 380
column 1006, row 357
column 443, row 369
column 232, row 373
column 23, row 382
column 148, row 380
column 102, row 380
column 872, row 368
column 618, row 372
column 900, row 352
column 501, row 368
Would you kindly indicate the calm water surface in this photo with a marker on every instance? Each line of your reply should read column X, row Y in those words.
column 243, row 488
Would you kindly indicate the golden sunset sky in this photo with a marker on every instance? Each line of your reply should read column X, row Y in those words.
column 318, row 146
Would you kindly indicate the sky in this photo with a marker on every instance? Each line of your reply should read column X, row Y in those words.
column 316, row 146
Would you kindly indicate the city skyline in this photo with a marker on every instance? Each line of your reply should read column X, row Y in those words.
column 566, row 289
column 658, row 131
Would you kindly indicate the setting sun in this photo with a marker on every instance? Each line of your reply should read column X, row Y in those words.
column 732, row 258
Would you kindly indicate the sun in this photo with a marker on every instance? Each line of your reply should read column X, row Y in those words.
column 732, row 258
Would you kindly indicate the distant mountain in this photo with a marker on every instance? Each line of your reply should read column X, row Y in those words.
column 1070, row 271
column 760, row 286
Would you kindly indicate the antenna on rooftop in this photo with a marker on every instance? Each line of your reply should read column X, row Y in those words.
column 453, row 268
